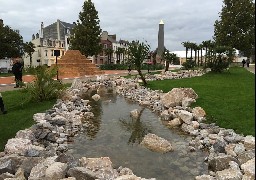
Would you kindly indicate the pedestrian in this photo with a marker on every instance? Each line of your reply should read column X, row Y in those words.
column 247, row 62
column 243, row 62
column 129, row 70
column 17, row 71
column 2, row 105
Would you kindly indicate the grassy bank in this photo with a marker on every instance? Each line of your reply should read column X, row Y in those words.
column 20, row 114
column 228, row 98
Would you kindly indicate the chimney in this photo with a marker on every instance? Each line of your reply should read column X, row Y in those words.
column 104, row 35
column 42, row 29
column 37, row 35
column 33, row 37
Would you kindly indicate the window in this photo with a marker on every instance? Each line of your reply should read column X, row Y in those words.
column 46, row 53
column 52, row 53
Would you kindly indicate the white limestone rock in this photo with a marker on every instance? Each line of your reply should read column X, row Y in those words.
column 96, row 97
column 185, row 116
column 17, row 146
column 156, row 144
column 175, row 122
column 135, row 114
column 249, row 168
column 229, row 174
column 249, row 142
column 56, row 171
column 176, row 95
column 204, row 177
column 198, row 113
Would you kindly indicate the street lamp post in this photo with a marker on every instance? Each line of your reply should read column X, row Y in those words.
column 56, row 54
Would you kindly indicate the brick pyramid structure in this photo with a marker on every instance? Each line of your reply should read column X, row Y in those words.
column 74, row 64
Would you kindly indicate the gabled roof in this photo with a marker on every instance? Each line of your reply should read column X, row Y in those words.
column 67, row 25
column 111, row 39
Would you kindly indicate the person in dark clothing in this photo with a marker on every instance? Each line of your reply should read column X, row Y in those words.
column 248, row 62
column 243, row 62
column 2, row 105
column 17, row 71
column 129, row 70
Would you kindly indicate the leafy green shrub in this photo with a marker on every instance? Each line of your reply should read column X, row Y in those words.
column 113, row 67
column 218, row 66
column 44, row 87
column 189, row 64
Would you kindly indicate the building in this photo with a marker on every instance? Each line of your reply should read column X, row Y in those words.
column 110, row 42
column 49, row 38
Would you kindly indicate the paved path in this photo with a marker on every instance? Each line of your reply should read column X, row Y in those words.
column 251, row 68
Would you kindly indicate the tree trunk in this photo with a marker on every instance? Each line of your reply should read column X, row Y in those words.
column 142, row 77
column 30, row 60
column 195, row 56
column 167, row 66
column 186, row 53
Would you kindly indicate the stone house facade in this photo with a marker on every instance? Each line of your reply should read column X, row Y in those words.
column 50, row 38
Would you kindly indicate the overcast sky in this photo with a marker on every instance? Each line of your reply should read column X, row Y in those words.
column 185, row 20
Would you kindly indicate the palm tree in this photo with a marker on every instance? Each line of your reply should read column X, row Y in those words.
column 29, row 49
column 206, row 45
column 193, row 46
column 187, row 46
column 138, row 52
column 169, row 58
column 201, row 50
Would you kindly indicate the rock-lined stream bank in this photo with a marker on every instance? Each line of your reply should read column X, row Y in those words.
column 39, row 152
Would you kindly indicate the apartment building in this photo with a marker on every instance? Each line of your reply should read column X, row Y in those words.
column 49, row 38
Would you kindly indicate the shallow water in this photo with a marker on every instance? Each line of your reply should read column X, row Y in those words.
column 114, row 134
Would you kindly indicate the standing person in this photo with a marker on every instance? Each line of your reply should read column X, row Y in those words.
column 17, row 71
column 2, row 105
column 243, row 62
column 248, row 62
column 129, row 70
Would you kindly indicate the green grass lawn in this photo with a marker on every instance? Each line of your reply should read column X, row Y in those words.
column 228, row 98
column 20, row 114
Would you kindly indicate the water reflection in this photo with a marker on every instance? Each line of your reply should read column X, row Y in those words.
column 136, row 127
column 92, row 126
column 113, row 133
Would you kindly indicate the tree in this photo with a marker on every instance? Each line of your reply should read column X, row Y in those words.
column 220, row 58
column 236, row 27
column 85, row 36
column 206, row 45
column 29, row 49
column 187, row 46
column 109, row 52
column 170, row 58
column 137, row 53
column 11, row 43
column 119, row 51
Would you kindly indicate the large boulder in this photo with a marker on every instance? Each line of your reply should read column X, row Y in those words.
column 101, row 167
column 176, row 96
column 220, row 163
column 157, row 144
